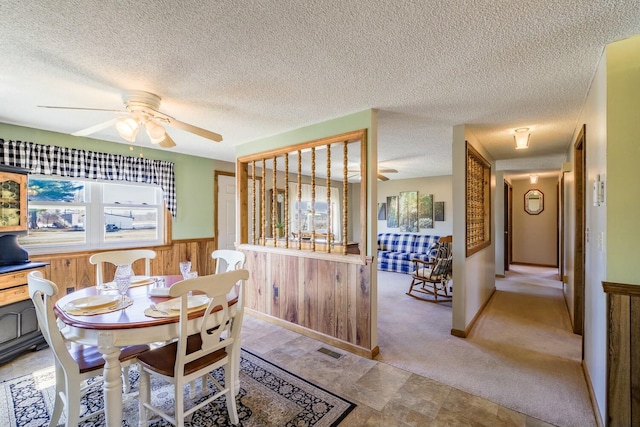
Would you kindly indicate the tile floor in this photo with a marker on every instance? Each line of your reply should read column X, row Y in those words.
column 385, row 395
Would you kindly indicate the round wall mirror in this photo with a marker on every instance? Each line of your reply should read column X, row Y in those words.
column 533, row 202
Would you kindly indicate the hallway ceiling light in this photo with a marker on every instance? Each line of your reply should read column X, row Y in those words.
column 522, row 138
column 533, row 179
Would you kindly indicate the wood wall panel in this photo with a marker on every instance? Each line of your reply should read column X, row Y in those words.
column 341, row 301
column 277, row 285
column 324, row 296
column 634, row 358
column 363, row 310
column 623, row 354
column 254, row 290
column 352, row 291
column 310, row 285
column 74, row 269
column 289, row 289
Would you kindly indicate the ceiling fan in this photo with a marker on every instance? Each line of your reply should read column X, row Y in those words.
column 142, row 110
column 356, row 171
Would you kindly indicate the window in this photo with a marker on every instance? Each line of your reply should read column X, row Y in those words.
column 74, row 215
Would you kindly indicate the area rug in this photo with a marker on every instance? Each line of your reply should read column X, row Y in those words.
column 269, row 396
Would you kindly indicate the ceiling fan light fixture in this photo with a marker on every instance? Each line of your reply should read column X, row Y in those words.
column 521, row 137
column 127, row 128
column 155, row 131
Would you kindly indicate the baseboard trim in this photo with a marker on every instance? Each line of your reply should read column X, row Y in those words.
column 592, row 396
column 463, row 334
column 352, row 348
column 533, row 264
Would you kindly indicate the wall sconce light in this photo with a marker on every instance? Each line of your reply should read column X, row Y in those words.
column 533, row 179
column 522, row 138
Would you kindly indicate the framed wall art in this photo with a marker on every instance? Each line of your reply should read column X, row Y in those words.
column 425, row 211
column 392, row 211
column 408, row 211
column 438, row 211
column 382, row 211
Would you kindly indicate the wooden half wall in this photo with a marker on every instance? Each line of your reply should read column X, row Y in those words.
column 623, row 354
column 72, row 271
column 324, row 296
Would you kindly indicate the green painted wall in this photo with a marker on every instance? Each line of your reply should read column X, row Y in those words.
column 194, row 175
column 622, row 190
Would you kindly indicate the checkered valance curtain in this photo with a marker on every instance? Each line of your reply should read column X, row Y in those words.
column 71, row 162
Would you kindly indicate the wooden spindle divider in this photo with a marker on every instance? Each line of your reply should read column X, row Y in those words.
column 328, row 245
column 345, row 196
column 299, row 210
column 313, row 199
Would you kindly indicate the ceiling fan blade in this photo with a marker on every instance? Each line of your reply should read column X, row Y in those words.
column 382, row 178
column 387, row 170
column 94, row 128
column 189, row 128
column 81, row 108
column 167, row 142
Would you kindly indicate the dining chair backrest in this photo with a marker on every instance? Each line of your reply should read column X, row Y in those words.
column 119, row 258
column 213, row 324
column 42, row 292
column 233, row 260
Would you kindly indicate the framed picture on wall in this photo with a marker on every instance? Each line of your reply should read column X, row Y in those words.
column 438, row 211
column 392, row 211
column 425, row 211
column 382, row 211
column 408, row 211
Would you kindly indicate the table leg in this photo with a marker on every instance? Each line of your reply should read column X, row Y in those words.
column 112, row 380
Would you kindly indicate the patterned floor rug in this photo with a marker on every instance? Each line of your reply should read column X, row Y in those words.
column 269, row 396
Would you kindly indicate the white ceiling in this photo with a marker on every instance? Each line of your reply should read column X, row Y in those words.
column 248, row 69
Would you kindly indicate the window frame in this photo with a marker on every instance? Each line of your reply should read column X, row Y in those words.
column 95, row 206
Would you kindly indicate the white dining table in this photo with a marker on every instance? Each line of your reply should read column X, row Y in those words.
column 130, row 326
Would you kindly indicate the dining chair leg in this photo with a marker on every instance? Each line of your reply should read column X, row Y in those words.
column 58, row 404
column 230, row 395
column 179, row 403
column 144, row 397
column 73, row 405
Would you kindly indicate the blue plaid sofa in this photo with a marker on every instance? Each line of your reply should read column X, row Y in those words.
column 396, row 250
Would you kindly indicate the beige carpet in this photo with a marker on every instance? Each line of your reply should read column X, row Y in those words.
column 521, row 354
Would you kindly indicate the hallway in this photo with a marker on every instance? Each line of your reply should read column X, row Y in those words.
column 520, row 354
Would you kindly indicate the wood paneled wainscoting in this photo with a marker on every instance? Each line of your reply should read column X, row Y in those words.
column 324, row 296
column 623, row 354
column 72, row 271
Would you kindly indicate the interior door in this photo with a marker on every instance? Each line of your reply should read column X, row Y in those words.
column 507, row 225
column 226, row 211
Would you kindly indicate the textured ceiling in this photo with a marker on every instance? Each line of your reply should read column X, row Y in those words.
column 250, row 69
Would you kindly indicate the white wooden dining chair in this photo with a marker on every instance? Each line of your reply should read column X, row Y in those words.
column 233, row 260
column 121, row 257
column 73, row 363
column 195, row 355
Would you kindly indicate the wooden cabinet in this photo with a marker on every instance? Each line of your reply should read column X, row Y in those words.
column 13, row 199
column 19, row 329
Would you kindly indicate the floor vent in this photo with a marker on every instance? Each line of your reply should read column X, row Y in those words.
column 328, row 352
